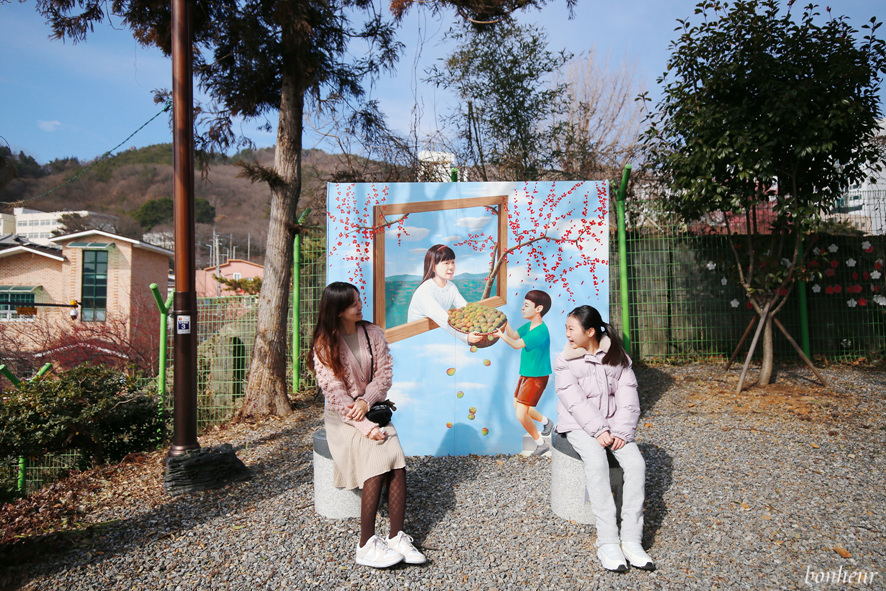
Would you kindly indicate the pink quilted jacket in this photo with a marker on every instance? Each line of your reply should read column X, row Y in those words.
column 595, row 397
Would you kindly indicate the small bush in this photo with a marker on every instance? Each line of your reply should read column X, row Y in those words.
column 93, row 409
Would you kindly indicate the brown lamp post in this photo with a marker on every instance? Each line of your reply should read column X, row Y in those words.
column 184, row 303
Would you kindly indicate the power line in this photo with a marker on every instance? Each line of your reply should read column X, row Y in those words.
column 98, row 160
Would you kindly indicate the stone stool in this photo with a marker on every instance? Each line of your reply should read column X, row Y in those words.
column 568, row 497
column 329, row 501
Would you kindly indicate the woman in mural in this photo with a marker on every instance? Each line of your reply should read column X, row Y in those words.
column 354, row 370
column 437, row 294
column 598, row 408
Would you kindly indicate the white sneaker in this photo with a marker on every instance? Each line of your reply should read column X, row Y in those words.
column 402, row 543
column 611, row 558
column 377, row 554
column 635, row 554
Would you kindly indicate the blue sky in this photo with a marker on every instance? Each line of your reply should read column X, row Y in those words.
column 58, row 99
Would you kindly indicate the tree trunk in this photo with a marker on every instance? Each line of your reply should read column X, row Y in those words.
column 267, row 389
column 768, row 354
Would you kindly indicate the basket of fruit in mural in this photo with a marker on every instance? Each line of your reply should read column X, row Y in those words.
column 478, row 318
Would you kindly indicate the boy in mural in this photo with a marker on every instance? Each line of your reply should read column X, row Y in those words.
column 534, row 342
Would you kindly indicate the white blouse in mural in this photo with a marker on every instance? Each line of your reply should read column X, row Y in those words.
column 432, row 301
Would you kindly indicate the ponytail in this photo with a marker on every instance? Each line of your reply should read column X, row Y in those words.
column 589, row 318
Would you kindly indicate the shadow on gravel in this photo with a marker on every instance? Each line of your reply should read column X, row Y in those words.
column 431, row 483
column 659, row 477
column 652, row 384
column 291, row 465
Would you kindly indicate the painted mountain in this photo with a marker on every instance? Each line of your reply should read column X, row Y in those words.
column 399, row 290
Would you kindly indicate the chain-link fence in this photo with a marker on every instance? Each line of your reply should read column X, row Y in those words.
column 226, row 328
column 684, row 304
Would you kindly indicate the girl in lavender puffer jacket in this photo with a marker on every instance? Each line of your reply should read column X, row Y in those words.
column 598, row 408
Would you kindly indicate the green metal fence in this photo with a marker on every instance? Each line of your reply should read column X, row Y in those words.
column 684, row 306
column 226, row 328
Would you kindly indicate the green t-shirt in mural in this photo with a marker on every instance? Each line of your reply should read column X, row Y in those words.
column 535, row 357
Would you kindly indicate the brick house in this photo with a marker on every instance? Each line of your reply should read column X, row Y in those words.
column 107, row 275
column 208, row 287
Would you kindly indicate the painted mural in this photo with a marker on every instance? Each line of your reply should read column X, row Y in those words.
column 486, row 246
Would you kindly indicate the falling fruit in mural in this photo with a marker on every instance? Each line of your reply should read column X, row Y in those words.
column 484, row 431
column 450, row 371
column 459, row 393
column 473, row 348
column 449, row 425
column 471, row 416
column 486, row 362
column 473, row 410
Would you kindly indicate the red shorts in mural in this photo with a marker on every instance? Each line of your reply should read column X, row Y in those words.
column 529, row 390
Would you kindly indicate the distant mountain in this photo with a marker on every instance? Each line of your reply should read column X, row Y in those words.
column 460, row 277
column 120, row 185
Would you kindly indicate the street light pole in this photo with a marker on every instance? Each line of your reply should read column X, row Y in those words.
column 184, row 303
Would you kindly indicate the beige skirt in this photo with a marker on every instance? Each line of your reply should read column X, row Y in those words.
column 357, row 458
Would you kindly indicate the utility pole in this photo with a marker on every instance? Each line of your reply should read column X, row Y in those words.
column 187, row 466
column 184, row 435
column 217, row 263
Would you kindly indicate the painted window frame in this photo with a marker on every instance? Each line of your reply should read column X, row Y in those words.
column 380, row 212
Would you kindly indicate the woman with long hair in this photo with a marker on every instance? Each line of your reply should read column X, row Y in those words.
column 354, row 369
column 437, row 294
column 598, row 409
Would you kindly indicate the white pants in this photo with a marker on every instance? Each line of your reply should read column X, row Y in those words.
column 596, row 466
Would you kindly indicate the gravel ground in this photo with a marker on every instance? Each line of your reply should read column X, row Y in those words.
column 766, row 490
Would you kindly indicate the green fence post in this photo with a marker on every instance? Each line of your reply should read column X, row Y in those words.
column 804, row 313
column 46, row 367
column 623, row 260
column 453, row 174
column 161, row 369
column 296, row 307
column 7, row 373
column 22, row 474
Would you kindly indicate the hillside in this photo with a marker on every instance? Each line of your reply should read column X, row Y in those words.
column 123, row 183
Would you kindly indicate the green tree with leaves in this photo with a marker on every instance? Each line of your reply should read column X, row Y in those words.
column 766, row 117
column 161, row 210
column 255, row 58
column 506, row 118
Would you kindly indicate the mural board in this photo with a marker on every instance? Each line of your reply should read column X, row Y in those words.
column 455, row 398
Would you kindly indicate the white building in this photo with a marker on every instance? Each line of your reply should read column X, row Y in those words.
column 436, row 167
column 38, row 226
column 864, row 204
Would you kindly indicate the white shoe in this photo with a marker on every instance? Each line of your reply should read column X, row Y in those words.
column 611, row 558
column 635, row 554
column 376, row 554
column 402, row 543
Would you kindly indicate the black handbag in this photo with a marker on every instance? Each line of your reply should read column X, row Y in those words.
column 380, row 412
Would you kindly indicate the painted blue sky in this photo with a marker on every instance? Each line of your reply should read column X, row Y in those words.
column 59, row 99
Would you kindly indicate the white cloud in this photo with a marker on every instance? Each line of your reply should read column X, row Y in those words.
column 472, row 224
column 402, row 393
column 49, row 126
column 590, row 238
column 408, row 234
column 449, row 354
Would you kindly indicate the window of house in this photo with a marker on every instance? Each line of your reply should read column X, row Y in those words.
column 237, row 276
column 94, row 295
column 13, row 296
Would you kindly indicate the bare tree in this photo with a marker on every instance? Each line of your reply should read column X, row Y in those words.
column 603, row 119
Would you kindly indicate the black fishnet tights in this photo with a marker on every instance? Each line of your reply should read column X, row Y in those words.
column 370, row 497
